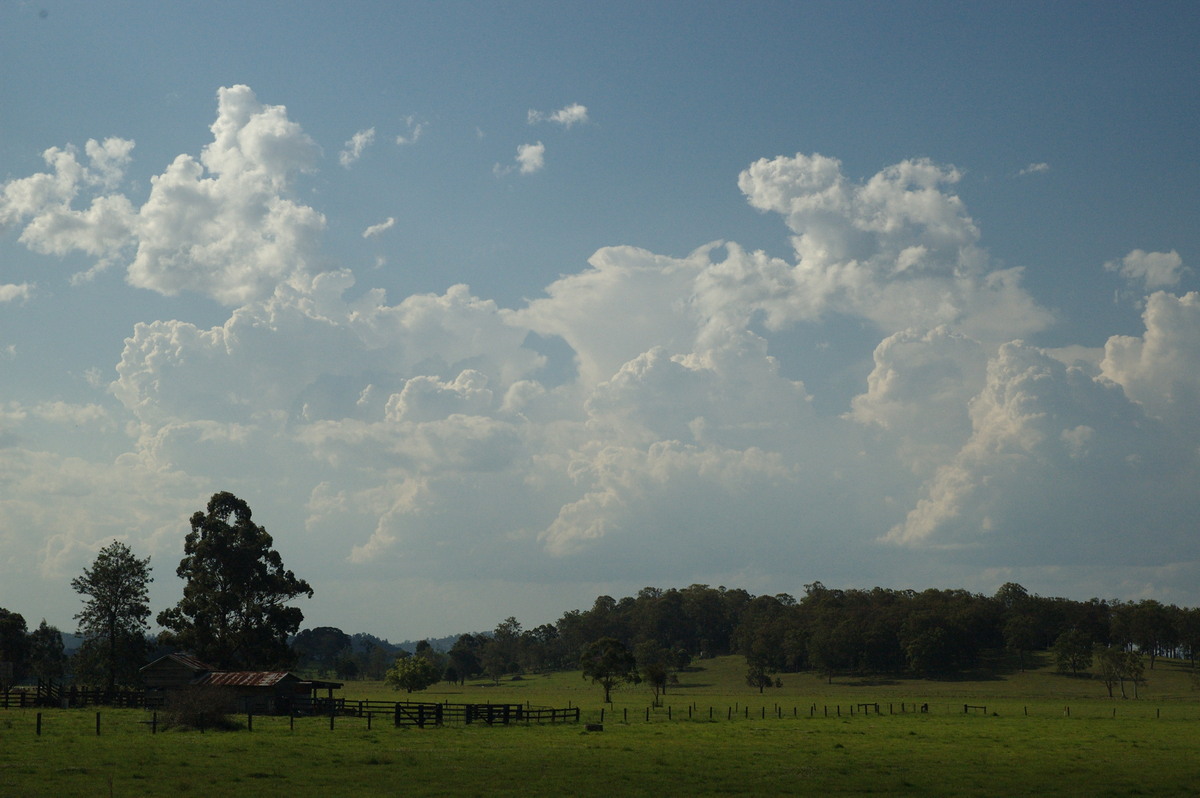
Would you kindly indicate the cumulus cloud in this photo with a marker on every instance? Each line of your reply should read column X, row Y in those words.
column 353, row 149
column 43, row 203
column 567, row 116
column 531, row 158
column 376, row 229
column 15, row 292
column 642, row 404
column 1161, row 369
column 1034, row 169
column 1154, row 270
column 1062, row 467
column 899, row 250
column 221, row 225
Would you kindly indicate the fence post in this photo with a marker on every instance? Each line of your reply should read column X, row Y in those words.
column 249, row 721
column 39, row 724
column 97, row 724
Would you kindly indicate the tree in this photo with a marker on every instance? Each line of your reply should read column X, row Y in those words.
column 234, row 612
column 759, row 673
column 655, row 663
column 412, row 673
column 113, row 619
column 608, row 663
column 1117, row 666
column 1109, row 661
column 321, row 647
column 47, row 659
column 14, row 646
column 1073, row 651
column 464, row 657
column 1020, row 636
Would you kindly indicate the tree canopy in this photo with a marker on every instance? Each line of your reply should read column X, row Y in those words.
column 412, row 673
column 235, row 611
column 14, row 645
column 608, row 662
column 116, row 605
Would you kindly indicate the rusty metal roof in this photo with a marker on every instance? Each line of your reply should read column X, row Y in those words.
column 245, row 678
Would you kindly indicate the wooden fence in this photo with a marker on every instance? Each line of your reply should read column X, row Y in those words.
column 50, row 694
column 401, row 713
column 421, row 714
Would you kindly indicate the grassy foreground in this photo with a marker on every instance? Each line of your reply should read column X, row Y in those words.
column 1024, row 744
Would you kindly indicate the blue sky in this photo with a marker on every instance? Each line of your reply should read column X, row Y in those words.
column 487, row 309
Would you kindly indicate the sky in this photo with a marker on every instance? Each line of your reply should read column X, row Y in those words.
column 487, row 309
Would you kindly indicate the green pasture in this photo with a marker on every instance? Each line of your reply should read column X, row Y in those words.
column 1025, row 743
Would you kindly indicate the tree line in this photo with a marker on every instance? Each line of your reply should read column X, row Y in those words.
column 236, row 613
column 653, row 635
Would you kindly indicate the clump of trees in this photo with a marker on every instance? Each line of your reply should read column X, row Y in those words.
column 236, row 610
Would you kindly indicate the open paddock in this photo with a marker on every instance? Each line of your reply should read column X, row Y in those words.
column 1041, row 734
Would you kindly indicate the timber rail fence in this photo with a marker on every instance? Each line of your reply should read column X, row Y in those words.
column 52, row 694
column 421, row 714
column 366, row 715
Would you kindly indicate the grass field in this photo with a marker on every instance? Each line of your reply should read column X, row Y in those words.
column 1025, row 743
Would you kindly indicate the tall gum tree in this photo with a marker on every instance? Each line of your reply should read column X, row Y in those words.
column 235, row 612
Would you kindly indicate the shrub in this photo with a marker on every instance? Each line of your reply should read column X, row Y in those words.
column 199, row 708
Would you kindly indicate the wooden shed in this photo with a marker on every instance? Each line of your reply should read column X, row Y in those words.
column 263, row 692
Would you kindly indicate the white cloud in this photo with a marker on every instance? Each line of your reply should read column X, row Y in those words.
column 898, row 250
column 13, row 292
column 531, row 158
column 567, row 116
column 1161, row 369
column 1154, row 270
column 376, row 229
column 919, row 394
column 1034, row 169
column 664, row 416
column 222, row 225
column 43, row 202
column 415, row 129
column 354, row 148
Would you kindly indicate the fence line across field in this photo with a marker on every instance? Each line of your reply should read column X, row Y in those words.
column 411, row 714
